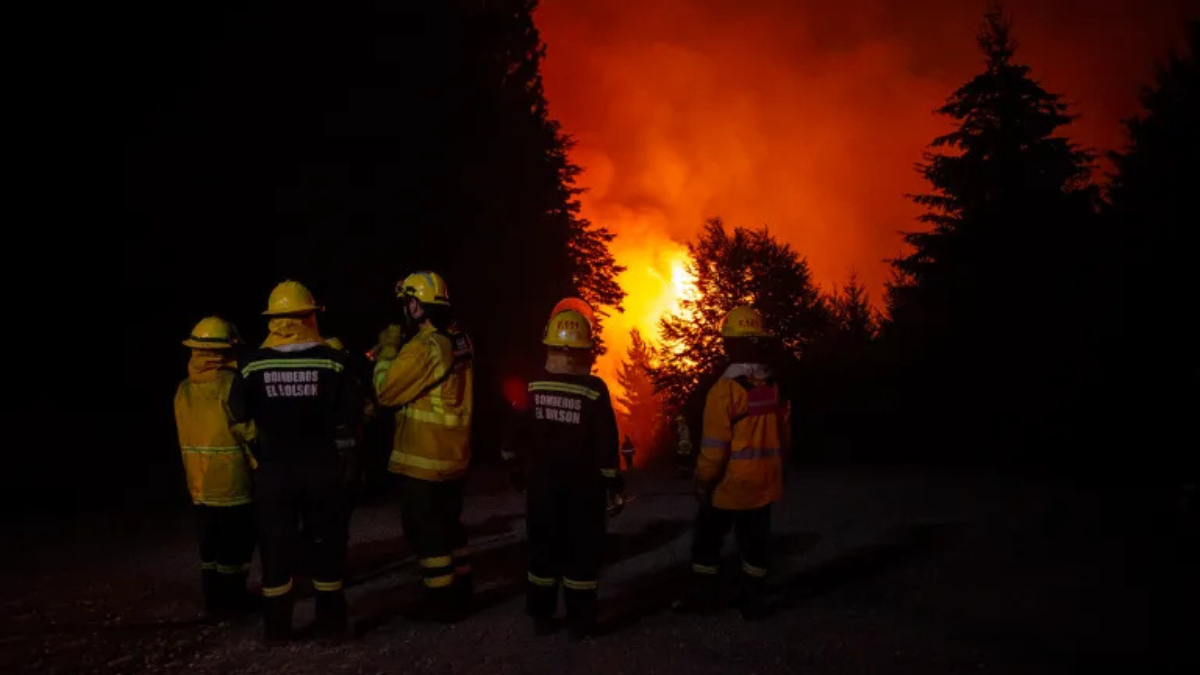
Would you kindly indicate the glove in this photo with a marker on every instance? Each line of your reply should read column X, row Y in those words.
column 390, row 339
column 704, row 494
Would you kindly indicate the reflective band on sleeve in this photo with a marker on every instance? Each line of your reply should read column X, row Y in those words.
column 545, row 582
column 608, row 473
column 754, row 453
column 232, row 569
column 425, row 462
column 714, row 443
column 580, row 585
column 704, row 569
column 439, row 581
column 216, row 450
column 432, row 417
column 208, row 565
column 327, row 586
column 752, row 570
column 276, row 591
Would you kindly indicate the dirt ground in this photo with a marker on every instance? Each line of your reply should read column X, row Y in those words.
column 876, row 570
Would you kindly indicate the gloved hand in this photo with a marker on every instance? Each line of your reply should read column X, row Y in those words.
column 390, row 339
column 704, row 494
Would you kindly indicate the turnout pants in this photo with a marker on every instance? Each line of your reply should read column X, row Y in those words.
column 302, row 499
column 226, row 535
column 566, row 525
column 432, row 521
column 752, row 530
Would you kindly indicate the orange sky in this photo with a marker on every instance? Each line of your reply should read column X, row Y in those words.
column 806, row 117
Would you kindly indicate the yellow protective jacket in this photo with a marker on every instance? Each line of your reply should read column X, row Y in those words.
column 432, row 379
column 745, row 439
column 215, row 455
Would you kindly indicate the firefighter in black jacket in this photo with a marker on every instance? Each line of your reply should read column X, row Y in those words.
column 305, row 404
column 566, row 440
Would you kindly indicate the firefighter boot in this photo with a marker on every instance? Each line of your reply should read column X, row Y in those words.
column 236, row 598
column 210, row 587
column 464, row 592
column 702, row 596
column 581, row 614
column 331, row 621
column 437, row 606
column 754, row 605
column 540, row 604
column 277, row 618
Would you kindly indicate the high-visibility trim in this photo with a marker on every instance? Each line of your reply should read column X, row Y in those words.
column 460, row 553
column 276, row 591
column 544, row 582
column 439, row 561
column 424, row 462
column 439, row 581
column 463, row 570
column 433, row 417
column 754, row 453
column 211, row 450
column 224, row 501
column 580, row 585
column 709, row 442
column 232, row 569
column 208, row 565
column 508, row 455
column 327, row 586
column 608, row 473
column 704, row 569
column 565, row 388
column 752, row 570
column 292, row 364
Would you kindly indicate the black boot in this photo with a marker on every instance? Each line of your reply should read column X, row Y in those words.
column 277, row 618
column 331, row 615
column 210, row 587
column 236, row 598
column 581, row 614
column 437, row 606
column 753, row 604
column 703, row 595
column 464, row 592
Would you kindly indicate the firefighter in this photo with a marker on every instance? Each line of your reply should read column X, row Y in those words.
column 739, row 472
column 430, row 379
column 218, row 465
column 565, row 444
column 627, row 453
column 683, row 446
column 305, row 404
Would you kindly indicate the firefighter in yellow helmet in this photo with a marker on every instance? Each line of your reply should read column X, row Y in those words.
column 566, row 438
column 739, row 472
column 218, row 463
column 430, row 380
column 577, row 305
column 305, row 403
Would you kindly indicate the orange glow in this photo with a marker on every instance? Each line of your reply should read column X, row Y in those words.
column 805, row 117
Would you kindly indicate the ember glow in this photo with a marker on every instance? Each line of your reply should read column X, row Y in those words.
column 805, row 117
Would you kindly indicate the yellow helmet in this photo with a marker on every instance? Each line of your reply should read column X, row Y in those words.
column 336, row 344
column 577, row 305
column 290, row 297
column 211, row 333
column 569, row 329
column 743, row 321
column 428, row 287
